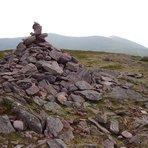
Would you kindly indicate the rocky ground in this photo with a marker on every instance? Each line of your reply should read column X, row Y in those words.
column 48, row 98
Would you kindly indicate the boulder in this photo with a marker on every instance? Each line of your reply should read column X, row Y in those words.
column 53, row 126
column 5, row 125
column 52, row 67
column 30, row 119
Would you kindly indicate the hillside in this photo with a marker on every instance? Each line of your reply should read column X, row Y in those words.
column 93, row 43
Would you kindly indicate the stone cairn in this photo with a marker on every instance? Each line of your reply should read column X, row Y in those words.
column 38, row 73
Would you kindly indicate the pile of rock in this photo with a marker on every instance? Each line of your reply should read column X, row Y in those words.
column 38, row 73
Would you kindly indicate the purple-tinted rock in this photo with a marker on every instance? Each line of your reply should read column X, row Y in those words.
column 18, row 125
column 52, row 67
column 55, row 54
column 29, row 40
column 72, row 66
column 83, row 85
column 48, row 87
column 64, row 58
column 32, row 90
column 29, row 69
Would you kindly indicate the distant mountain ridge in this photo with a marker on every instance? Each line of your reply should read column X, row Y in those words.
column 112, row 44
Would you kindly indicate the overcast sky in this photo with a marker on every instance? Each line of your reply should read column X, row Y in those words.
column 124, row 18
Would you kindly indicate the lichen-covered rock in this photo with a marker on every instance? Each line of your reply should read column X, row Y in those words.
column 53, row 126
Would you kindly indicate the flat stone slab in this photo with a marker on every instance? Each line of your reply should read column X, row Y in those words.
column 90, row 95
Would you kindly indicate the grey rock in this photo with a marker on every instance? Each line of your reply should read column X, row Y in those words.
column 67, row 136
column 53, row 126
column 7, row 87
column 108, row 144
column 102, row 118
column 64, row 58
column 56, row 143
column 119, row 93
column 52, row 106
column 72, row 66
column 5, row 125
column 32, row 90
column 126, row 134
column 48, row 87
column 114, row 126
column 29, row 69
column 39, row 101
column 55, row 54
column 29, row 119
column 83, row 85
column 31, row 59
column 52, row 67
column 141, row 139
column 29, row 40
column 44, row 44
column 90, row 95
column 20, row 48
column 77, row 98
column 99, row 126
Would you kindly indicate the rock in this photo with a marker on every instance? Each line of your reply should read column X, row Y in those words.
column 120, row 94
column 56, row 143
column 24, row 84
column 29, row 69
column 62, row 97
column 20, row 48
column 67, row 136
column 44, row 44
column 48, row 87
column 53, row 126
column 32, row 90
column 29, row 40
column 126, row 134
column 5, row 125
column 90, row 95
column 102, row 118
column 30, row 119
column 99, row 126
column 52, row 67
column 83, row 85
column 39, row 101
column 77, row 98
column 55, row 54
column 108, row 144
column 114, row 126
column 18, row 125
column 31, row 59
column 64, row 58
column 139, row 139
column 52, row 106
column 72, row 66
